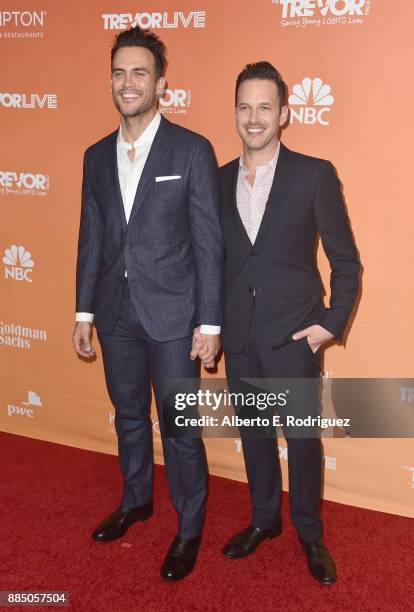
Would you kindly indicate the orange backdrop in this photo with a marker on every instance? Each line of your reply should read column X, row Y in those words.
column 347, row 66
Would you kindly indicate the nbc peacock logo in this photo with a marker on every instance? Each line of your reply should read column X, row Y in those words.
column 313, row 100
column 18, row 264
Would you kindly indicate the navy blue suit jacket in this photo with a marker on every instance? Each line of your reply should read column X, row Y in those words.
column 280, row 268
column 171, row 247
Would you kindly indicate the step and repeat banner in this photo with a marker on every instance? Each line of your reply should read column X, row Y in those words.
column 347, row 64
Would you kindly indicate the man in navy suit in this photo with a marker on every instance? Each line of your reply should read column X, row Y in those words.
column 149, row 272
column 275, row 205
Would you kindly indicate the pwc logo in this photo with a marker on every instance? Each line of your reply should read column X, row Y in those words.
column 18, row 264
column 26, row 409
column 175, row 101
column 313, row 100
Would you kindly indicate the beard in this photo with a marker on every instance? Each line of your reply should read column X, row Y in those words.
column 142, row 107
column 258, row 143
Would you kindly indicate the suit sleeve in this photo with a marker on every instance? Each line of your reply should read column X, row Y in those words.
column 339, row 247
column 91, row 232
column 206, row 236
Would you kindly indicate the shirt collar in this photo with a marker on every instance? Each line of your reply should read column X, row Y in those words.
column 146, row 138
column 270, row 165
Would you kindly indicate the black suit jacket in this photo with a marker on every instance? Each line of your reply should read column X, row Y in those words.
column 171, row 247
column 279, row 272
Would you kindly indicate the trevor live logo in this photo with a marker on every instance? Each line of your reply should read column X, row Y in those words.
column 317, row 13
column 28, row 101
column 23, row 183
column 175, row 101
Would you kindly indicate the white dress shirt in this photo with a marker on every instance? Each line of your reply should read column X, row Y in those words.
column 129, row 174
column 252, row 199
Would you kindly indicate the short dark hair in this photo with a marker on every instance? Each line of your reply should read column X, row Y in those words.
column 137, row 37
column 262, row 70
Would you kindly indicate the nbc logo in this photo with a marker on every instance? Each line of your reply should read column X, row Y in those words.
column 18, row 263
column 175, row 101
column 26, row 409
column 309, row 111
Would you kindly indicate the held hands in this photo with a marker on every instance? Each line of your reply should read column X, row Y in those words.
column 206, row 347
column 316, row 336
column 82, row 340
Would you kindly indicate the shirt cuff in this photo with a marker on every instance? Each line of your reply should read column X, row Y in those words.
column 211, row 330
column 86, row 317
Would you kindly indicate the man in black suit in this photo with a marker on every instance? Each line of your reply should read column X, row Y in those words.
column 149, row 271
column 274, row 204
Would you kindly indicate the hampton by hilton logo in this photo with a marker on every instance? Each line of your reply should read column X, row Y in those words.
column 165, row 20
column 22, row 24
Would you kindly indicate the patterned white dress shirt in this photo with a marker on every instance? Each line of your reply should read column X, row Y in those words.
column 252, row 199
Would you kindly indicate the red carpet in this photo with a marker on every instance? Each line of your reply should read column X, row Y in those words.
column 52, row 496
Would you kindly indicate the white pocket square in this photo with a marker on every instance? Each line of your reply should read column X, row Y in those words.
column 159, row 179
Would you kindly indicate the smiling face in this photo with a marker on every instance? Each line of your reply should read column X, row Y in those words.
column 134, row 82
column 258, row 114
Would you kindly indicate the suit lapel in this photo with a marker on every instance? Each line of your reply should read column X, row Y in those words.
column 112, row 163
column 160, row 149
column 277, row 193
column 233, row 199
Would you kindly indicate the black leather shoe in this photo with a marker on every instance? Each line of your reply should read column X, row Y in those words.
column 118, row 523
column 180, row 559
column 246, row 542
column 320, row 563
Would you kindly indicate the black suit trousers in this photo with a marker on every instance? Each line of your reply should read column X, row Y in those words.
column 293, row 360
column 132, row 360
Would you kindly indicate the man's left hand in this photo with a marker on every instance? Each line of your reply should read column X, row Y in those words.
column 206, row 347
column 316, row 336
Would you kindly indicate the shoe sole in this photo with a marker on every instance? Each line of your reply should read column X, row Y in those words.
column 176, row 579
column 326, row 582
column 247, row 554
